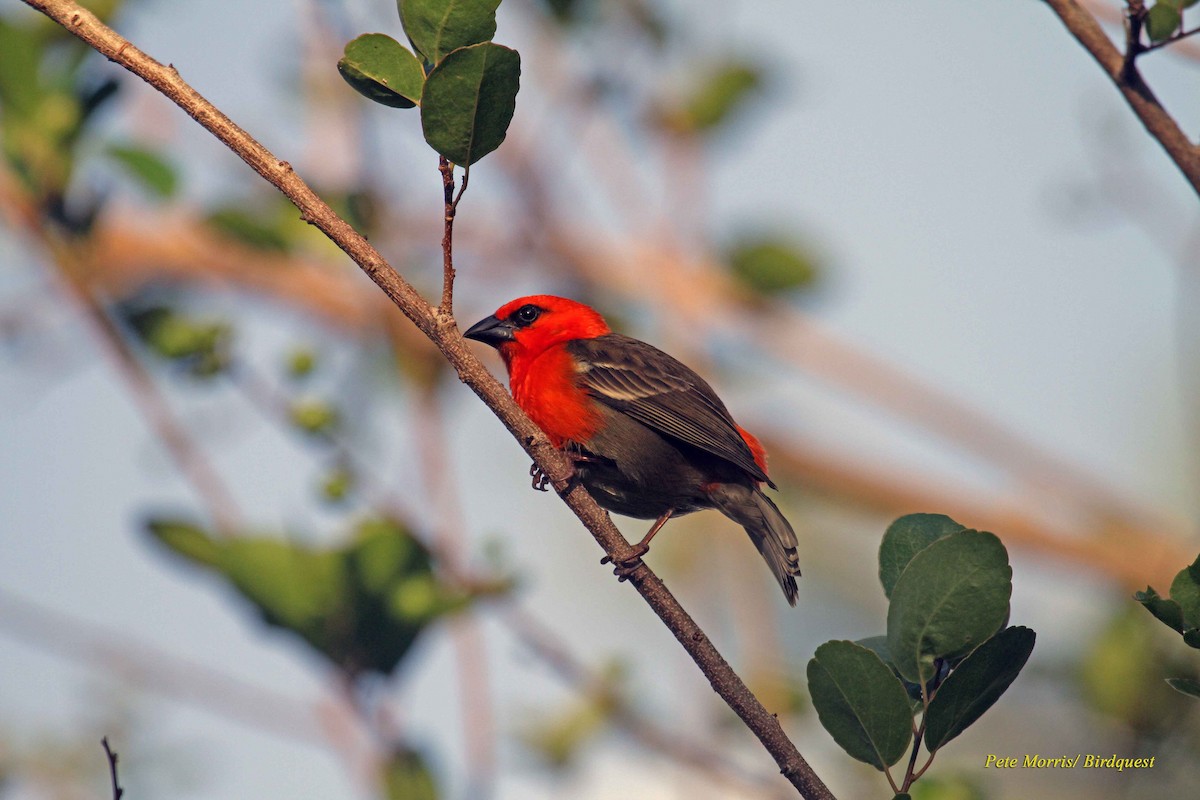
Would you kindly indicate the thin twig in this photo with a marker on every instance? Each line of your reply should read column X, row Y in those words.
column 1158, row 123
column 1135, row 17
column 117, row 791
column 451, row 208
column 441, row 329
column 1166, row 42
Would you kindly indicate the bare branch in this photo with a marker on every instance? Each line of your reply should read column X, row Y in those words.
column 451, row 208
column 1123, row 73
column 117, row 791
column 441, row 329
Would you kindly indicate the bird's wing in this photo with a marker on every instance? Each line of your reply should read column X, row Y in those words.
column 662, row 393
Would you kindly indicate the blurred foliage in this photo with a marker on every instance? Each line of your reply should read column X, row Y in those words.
column 313, row 416
column 947, row 655
column 152, row 169
column 559, row 737
column 300, row 363
column 200, row 347
column 769, row 264
column 361, row 605
column 48, row 102
column 1123, row 675
column 960, row 787
column 1180, row 613
column 719, row 93
column 1165, row 19
column 406, row 776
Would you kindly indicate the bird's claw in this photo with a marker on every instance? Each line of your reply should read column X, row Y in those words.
column 540, row 479
column 542, row 482
column 630, row 561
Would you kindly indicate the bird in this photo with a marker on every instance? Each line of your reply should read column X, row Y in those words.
column 648, row 437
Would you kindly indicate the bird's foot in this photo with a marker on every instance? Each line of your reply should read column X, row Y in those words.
column 628, row 562
column 542, row 482
column 540, row 479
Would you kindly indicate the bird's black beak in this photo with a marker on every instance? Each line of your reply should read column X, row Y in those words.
column 491, row 330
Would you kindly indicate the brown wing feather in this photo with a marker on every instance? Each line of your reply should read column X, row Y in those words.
column 659, row 391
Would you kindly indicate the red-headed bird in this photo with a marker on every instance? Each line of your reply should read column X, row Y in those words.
column 648, row 436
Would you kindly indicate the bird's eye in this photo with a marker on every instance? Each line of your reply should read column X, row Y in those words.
column 527, row 314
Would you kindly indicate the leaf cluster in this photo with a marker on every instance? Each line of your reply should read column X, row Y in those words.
column 1165, row 19
column 360, row 605
column 1181, row 613
column 946, row 658
column 465, row 84
column 49, row 104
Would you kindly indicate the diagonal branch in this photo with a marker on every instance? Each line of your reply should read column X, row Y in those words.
column 1124, row 74
column 441, row 329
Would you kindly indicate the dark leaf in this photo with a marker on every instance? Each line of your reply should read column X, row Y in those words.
column 1167, row 611
column 860, row 702
column 950, row 598
column 1186, row 685
column 469, row 101
column 381, row 69
column 976, row 684
column 906, row 537
column 438, row 27
column 1185, row 590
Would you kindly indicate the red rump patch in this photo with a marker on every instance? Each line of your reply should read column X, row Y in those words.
column 756, row 449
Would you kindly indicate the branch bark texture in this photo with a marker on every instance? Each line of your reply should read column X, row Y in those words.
column 1124, row 74
column 439, row 326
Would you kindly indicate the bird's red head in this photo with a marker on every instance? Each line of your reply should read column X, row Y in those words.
column 525, row 327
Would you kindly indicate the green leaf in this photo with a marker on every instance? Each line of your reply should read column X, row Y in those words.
column 950, row 598
column 340, row 600
column 406, row 776
column 976, row 684
column 251, row 227
column 381, row 69
column 860, row 702
column 770, row 265
column 720, row 93
column 337, row 485
column 152, row 170
column 469, row 100
column 21, row 55
column 1185, row 590
column 301, row 362
column 201, row 346
column 1186, row 685
column 1167, row 611
column 1162, row 21
column 313, row 416
column 438, row 27
column 906, row 537
column 186, row 539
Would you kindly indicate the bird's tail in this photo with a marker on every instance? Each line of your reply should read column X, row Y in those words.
column 770, row 531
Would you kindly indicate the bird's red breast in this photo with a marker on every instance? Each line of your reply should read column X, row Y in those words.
column 543, row 375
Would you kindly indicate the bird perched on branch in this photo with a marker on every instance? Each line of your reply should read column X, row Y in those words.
column 649, row 438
